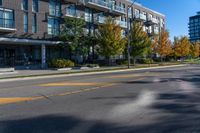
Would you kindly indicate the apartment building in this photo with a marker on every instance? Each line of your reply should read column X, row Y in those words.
column 194, row 28
column 29, row 28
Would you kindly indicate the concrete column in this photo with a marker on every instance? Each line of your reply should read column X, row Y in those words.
column 43, row 56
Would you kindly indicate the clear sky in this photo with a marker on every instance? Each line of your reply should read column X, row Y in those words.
column 177, row 13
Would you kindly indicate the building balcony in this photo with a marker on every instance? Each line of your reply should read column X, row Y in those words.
column 100, row 5
column 140, row 17
column 118, row 11
column 7, row 26
column 151, row 21
column 122, row 24
column 73, row 13
column 74, row 1
column 100, row 19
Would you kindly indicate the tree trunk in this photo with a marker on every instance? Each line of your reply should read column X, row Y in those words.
column 161, row 59
column 134, row 61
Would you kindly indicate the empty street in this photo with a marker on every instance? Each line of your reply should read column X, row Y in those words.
column 163, row 100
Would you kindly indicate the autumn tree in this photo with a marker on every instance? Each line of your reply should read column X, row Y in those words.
column 140, row 42
column 162, row 44
column 181, row 46
column 109, row 39
column 194, row 50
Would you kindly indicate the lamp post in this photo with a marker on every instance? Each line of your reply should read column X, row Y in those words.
column 128, row 33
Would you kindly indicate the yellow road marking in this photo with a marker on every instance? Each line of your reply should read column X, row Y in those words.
column 10, row 100
column 69, row 84
column 124, row 76
column 16, row 99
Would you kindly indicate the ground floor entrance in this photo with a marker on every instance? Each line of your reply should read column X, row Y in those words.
column 24, row 52
column 19, row 55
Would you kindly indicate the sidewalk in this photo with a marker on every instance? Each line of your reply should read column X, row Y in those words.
column 41, row 74
column 27, row 73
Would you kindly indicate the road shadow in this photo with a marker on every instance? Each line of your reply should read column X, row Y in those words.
column 69, row 124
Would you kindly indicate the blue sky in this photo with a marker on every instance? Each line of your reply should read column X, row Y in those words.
column 177, row 13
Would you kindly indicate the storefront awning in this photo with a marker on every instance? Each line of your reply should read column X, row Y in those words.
column 4, row 40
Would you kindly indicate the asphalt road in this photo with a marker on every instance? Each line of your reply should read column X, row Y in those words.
column 149, row 101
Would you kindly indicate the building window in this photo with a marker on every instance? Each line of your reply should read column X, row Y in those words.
column 6, row 18
column 35, row 6
column 71, row 10
column 24, row 5
column 53, row 26
column 88, row 15
column 25, row 22
column 55, row 8
column 1, row 2
column 137, row 13
column 34, row 23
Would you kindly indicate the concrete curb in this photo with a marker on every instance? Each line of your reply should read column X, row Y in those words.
column 85, row 73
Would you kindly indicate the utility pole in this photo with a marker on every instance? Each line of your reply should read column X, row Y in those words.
column 128, row 32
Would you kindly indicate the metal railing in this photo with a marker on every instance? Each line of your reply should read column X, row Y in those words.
column 100, row 2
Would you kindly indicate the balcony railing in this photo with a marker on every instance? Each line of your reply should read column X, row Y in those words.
column 122, row 24
column 73, row 13
column 100, row 3
column 154, row 20
column 100, row 19
column 143, row 17
column 120, row 9
column 140, row 17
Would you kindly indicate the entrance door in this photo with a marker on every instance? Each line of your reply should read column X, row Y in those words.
column 1, row 57
column 9, row 57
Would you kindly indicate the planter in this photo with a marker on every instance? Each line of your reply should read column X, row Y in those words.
column 64, row 69
column 2, row 70
column 97, row 67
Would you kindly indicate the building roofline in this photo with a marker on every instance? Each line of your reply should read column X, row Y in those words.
column 138, row 4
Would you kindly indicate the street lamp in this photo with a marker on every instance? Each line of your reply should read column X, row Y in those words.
column 128, row 32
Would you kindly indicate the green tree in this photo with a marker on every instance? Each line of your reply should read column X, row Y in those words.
column 140, row 42
column 72, row 34
column 109, row 39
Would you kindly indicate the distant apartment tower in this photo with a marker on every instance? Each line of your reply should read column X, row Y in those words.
column 29, row 29
column 194, row 28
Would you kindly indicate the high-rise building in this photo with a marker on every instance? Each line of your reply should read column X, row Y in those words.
column 29, row 28
column 194, row 28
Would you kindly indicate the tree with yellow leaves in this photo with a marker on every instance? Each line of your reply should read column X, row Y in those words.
column 109, row 38
column 181, row 46
column 162, row 45
column 194, row 49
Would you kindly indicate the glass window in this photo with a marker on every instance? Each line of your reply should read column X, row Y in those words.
column 71, row 10
column 6, row 18
column 55, row 8
column 53, row 26
column 25, row 22
column 24, row 5
column 35, row 6
column 88, row 15
column 1, row 2
column 137, row 13
column 34, row 23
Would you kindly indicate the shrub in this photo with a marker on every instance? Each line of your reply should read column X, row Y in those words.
column 92, row 65
column 122, row 62
column 145, row 61
column 60, row 63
